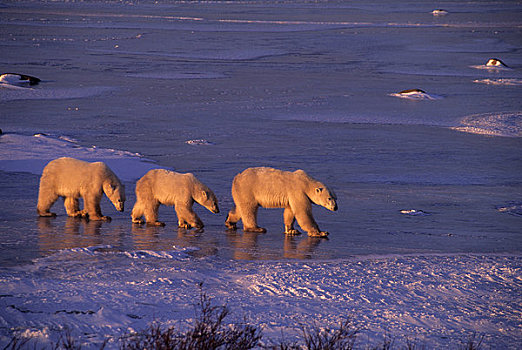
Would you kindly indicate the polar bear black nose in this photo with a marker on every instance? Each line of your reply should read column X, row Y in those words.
column 335, row 208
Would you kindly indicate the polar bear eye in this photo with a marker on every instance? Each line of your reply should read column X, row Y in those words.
column 319, row 189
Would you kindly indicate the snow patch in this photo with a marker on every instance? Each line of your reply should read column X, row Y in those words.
column 104, row 295
column 176, row 254
column 504, row 82
column 414, row 212
column 493, row 64
column 416, row 95
column 199, row 142
column 439, row 12
column 508, row 124
column 514, row 208
column 22, row 153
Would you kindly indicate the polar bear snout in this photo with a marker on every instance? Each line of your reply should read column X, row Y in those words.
column 213, row 208
column 119, row 205
column 332, row 206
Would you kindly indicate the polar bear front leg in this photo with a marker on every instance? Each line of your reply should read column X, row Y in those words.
column 187, row 218
column 92, row 206
column 289, row 219
column 72, row 207
column 307, row 223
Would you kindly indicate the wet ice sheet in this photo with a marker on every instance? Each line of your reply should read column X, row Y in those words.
column 9, row 92
column 171, row 75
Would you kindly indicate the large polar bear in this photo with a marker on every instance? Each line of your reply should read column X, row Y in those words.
column 272, row 188
column 160, row 186
column 72, row 178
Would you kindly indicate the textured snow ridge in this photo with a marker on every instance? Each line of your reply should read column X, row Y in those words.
column 438, row 300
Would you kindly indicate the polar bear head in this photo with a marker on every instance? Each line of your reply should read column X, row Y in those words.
column 115, row 191
column 316, row 191
column 325, row 197
column 207, row 198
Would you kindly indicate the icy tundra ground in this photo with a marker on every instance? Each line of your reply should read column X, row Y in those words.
column 427, row 240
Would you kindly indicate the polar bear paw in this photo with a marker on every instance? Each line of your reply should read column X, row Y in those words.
column 292, row 232
column 79, row 214
column 155, row 223
column 231, row 226
column 99, row 218
column 256, row 229
column 47, row 214
column 318, row 234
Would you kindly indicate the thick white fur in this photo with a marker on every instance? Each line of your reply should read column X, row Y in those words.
column 272, row 188
column 71, row 179
column 160, row 186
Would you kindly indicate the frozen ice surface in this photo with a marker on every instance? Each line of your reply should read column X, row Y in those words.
column 291, row 85
column 171, row 75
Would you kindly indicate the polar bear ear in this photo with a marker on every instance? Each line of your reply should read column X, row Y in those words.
column 319, row 190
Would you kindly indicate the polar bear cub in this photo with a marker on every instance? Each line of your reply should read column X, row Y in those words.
column 71, row 179
column 160, row 186
column 273, row 188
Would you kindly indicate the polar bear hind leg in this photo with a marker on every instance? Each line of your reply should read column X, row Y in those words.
column 232, row 219
column 137, row 213
column 92, row 207
column 46, row 198
column 249, row 218
column 147, row 209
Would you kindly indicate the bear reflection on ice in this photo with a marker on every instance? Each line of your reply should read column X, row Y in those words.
column 273, row 188
column 72, row 178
